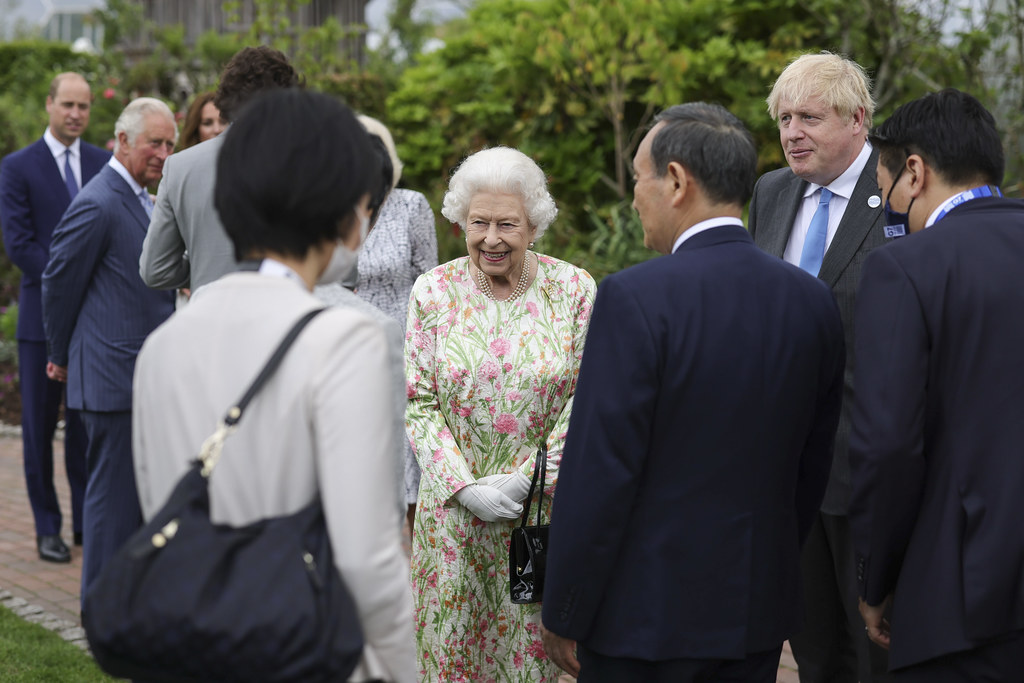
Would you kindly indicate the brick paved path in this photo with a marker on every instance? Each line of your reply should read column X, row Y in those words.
column 43, row 592
column 47, row 593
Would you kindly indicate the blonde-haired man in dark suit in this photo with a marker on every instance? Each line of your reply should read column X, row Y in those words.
column 824, row 214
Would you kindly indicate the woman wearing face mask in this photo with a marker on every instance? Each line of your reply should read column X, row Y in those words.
column 294, row 180
column 493, row 347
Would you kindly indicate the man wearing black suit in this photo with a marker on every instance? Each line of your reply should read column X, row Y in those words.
column 37, row 184
column 688, row 480
column 824, row 214
column 938, row 435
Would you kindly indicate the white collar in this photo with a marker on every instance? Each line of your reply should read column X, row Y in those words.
column 123, row 172
column 277, row 269
column 57, row 148
column 705, row 225
column 847, row 180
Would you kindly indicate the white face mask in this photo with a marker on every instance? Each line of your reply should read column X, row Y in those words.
column 343, row 266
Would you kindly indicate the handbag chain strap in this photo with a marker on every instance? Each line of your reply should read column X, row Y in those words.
column 540, row 466
column 209, row 454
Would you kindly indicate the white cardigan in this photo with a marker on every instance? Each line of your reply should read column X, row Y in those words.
column 322, row 423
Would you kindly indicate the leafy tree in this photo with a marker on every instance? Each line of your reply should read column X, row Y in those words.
column 575, row 83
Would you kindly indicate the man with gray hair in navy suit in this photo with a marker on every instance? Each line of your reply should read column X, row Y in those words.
column 97, row 312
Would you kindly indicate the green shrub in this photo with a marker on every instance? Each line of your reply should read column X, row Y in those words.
column 613, row 241
column 26, row 69
column 8, row 321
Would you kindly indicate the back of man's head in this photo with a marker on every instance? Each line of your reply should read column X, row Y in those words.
column 840, row 83
column 713, row 145
column 252, row 70
column 951, row 131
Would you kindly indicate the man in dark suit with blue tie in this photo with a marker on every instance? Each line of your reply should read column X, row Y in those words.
column 701, row 433
column 37, row 183
column 824, row 214
column 937, row 447
column 97, row 312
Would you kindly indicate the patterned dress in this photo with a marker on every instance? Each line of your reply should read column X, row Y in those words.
column 401, row 247
column 488, row 382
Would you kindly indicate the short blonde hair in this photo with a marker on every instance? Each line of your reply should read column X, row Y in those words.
column 840, row 82
column 503, row 170
column 375, row 127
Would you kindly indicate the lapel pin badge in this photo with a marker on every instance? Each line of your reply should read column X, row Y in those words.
column 874, row 201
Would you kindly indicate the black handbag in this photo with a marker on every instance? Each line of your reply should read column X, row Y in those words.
column 528, row 548
column 188, row 600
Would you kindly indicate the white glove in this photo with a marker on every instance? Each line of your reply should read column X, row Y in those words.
column 488, row 503
column 515, row 485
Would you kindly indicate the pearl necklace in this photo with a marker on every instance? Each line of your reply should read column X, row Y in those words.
column 485, row 285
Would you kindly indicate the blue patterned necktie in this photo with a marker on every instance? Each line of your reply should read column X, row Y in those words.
column 817, row 232
column 69, row 175
column 147, row 203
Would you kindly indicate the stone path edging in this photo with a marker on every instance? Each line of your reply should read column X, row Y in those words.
column 68, row 630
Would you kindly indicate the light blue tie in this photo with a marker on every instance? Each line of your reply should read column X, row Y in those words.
column 147, row 203
column 69, row 175
column 817, row 232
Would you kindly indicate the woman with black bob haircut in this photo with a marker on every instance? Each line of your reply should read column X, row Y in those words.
column 292, row 175
column 294, row 180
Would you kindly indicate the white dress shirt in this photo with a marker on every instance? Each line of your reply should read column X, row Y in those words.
column 123, row 172
column 841, row 189
column 58, row 149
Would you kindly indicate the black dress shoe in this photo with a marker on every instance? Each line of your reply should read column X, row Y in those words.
column 52, row 549
column 78, row 538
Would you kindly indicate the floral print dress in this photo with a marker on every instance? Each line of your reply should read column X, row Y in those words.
column 488, row 383
column 401, row 247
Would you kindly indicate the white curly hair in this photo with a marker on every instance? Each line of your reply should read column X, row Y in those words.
column 504, row 170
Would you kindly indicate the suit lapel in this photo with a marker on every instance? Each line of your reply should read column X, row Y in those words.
column 91, row 163
column 858, row 220
column 129, row 200
column 788, row 201
column 48, row 166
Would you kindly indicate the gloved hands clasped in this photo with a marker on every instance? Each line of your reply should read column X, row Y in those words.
column 496, row 496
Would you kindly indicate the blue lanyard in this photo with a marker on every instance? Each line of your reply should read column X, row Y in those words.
column 966, row 196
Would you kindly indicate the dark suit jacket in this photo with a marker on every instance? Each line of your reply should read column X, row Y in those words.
column 773, row 208
column 937, row 447
column 96, row 309
column 33, row 197
column 697, row 454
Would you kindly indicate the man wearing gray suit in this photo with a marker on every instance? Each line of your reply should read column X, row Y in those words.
column 97, row 313
column 824, row 214
column 186, row 245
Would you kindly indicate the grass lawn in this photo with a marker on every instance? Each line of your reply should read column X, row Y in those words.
column 29, row 654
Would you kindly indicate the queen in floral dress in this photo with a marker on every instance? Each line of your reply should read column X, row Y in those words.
column 493, row 346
